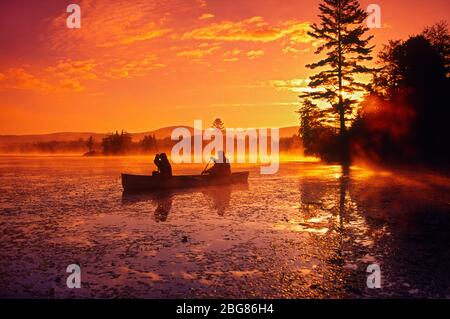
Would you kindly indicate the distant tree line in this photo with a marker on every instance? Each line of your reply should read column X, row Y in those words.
column 121, row 144
column 48, row 147
column 113, row 144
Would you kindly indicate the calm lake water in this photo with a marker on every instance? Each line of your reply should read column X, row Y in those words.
column 302, row 233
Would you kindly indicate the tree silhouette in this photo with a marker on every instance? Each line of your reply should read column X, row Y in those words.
column 218, row 124
column 405, row 118
column 90, row 143
column 439, row 38
column 117, row 144
column 317, row 133
column 148, row 143
column 386, row 81
column 341, row 37
column 310, row 125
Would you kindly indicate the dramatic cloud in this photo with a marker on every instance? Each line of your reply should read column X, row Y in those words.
column 73, row 75
column 132, row 59
column 198, row 53
column 293, row 85
column 106, row 25
column 231, row 59
column 132, row 69
column 254, row 29
column 206, row 16
column 21, row 79
column 254, row 54
column 119, row 41
column 78, row 69
column 231, row 53
column 18, row 78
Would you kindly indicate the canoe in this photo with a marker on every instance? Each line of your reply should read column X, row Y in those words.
column 133, row 183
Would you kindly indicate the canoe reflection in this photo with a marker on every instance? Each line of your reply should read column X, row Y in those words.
column 218, row 197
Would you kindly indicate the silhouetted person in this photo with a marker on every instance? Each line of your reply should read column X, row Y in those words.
column 163, row 165
column 164, row 202
column 221, row 167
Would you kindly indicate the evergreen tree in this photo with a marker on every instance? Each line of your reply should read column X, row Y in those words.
column 148, row 143
column 90, row 143
column 309, row 126
column 317, row 133
column 341, row 37
column 117, row 144
column 218, row 124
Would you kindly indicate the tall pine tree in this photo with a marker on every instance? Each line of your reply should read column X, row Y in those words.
column 341, row 39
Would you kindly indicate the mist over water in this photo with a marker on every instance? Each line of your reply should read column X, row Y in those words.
column 304, row 232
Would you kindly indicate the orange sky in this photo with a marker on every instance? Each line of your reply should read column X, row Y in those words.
column 141, row 65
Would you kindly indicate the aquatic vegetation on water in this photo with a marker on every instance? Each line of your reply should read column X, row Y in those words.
column 304, row 232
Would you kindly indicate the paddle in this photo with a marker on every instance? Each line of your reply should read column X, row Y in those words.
column 207, row 165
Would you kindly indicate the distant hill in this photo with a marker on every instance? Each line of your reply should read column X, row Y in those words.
column 59, row 137
column 160, row 133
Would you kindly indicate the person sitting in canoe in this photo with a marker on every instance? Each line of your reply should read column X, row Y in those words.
column 221, row 167
column 162, row 163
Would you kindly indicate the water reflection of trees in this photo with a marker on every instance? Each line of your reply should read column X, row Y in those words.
column 326, row 204
column 390, row 220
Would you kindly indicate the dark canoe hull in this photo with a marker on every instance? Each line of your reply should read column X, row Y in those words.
column 135, row 183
